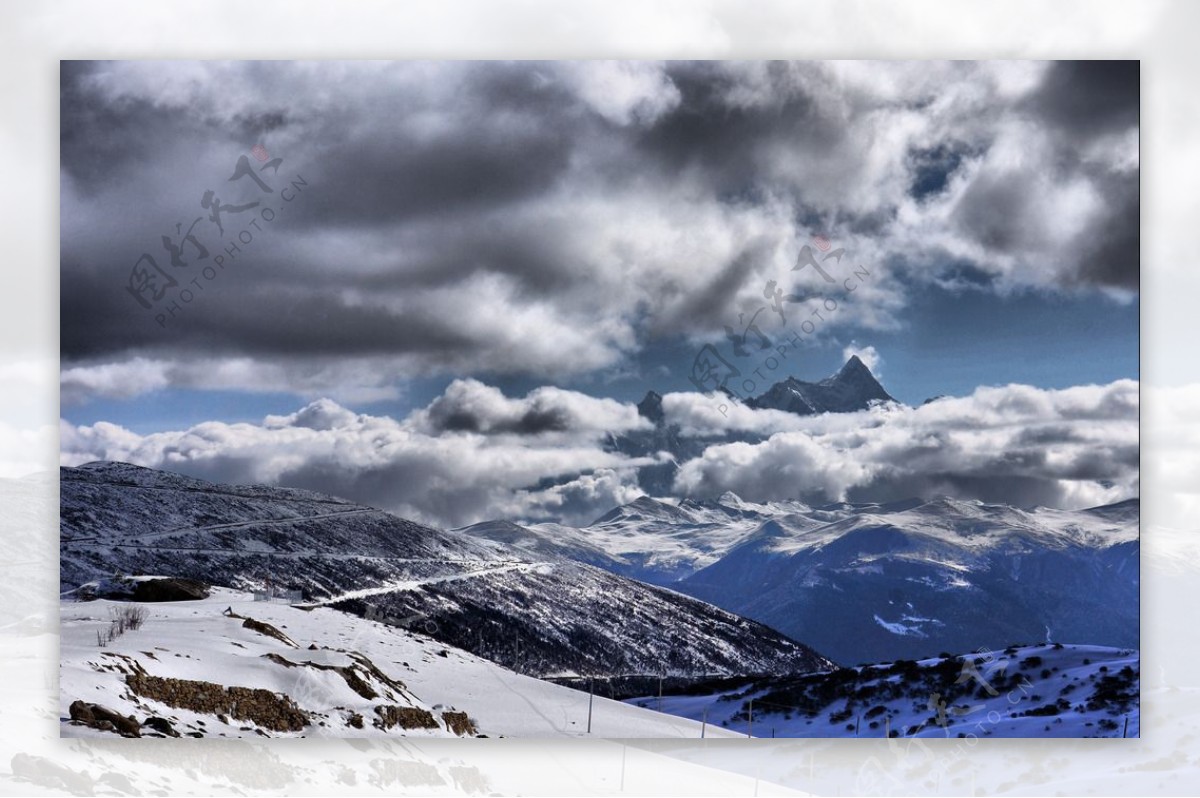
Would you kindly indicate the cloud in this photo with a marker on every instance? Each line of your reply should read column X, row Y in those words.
column 869, row 355
column 471, row 406
column 469, row 455
column 1016, row 444
column 625, row 92
column 357, row 380
column 118, row 380
column 549, row 219
column 474, row 454
column 577, row 501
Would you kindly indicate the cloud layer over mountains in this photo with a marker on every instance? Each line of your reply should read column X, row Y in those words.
column 474, row 454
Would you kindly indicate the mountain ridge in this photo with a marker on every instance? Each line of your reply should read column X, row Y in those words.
column 525, row 610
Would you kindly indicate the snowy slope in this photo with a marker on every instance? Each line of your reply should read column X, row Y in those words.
column 1027, row 691
column 563, row 618
column 652, row 540
column 197, row 641
column 510, row 604
column 658, row 541
column 546, row 542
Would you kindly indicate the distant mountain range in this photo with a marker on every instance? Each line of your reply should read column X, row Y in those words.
column 873, row 582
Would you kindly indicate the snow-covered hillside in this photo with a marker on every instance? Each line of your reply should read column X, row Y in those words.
column 326, row 674
column 512, row 605
column 650, row 540
column 903, row 581
column 1044, row 690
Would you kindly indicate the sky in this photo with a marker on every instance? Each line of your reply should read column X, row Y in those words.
column 529, row 240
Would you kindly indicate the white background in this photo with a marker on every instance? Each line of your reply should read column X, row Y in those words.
column 34, row 36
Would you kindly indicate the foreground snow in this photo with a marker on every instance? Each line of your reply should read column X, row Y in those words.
column 196, row 640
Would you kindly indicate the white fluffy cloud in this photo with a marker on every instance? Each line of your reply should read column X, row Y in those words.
column 471, row 406
column 535, row 457
column 624, row 92
column 356, row 380
column 869, row 355
column 1076, row 447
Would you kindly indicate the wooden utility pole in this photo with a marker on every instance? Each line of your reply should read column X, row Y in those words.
column 750, row 715
column 703, row 723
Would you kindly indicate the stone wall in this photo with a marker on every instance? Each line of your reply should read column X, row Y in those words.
column 262, row 707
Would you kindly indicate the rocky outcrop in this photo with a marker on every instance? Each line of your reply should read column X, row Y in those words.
column 352, row 679
column 460, row 723
column 160, row 725
column 172, row 589
column 104, row 719
column 404, row 717
column 270, row 631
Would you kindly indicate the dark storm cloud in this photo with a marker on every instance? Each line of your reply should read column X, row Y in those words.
column 991, row 211
column 709, row 301
column 731, row 142
column 540, row 218
column 97, row 141
column 379, row 174
column 1083, row 108
column 1089, row 98
column 403, row 204
column 1113, row 254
